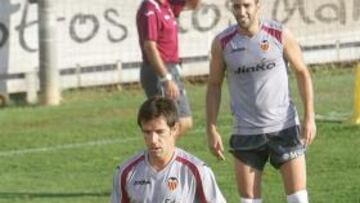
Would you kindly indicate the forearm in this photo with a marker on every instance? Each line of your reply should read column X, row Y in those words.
column 213, row 99
column 153, row 56
column 307, row 94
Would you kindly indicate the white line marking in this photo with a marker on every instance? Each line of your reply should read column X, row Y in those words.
column 82, row 145
column 66, row 146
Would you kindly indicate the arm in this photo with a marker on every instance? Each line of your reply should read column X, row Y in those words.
column 116, row 192
column 293, row 54
column 213, row 98
column 153, row 55
column 192, row 4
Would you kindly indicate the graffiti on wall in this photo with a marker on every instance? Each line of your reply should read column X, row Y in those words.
column 204, row 19
column 331, row 12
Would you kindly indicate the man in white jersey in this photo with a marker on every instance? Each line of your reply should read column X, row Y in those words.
column 163, row 173
column 253, row 56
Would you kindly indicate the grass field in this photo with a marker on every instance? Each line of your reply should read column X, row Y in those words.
column 68, row 153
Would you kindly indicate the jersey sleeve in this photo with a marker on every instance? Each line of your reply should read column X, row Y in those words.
column 211, row 189
column 148, row 24
column 116, row 194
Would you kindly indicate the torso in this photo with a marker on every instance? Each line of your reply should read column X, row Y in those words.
column 156, row 22
column 258, row 82
column 175, row 183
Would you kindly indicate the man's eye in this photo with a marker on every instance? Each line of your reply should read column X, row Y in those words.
column 160, row 132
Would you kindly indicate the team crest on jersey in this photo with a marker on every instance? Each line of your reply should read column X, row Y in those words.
column 172, row 183
column 264, row 45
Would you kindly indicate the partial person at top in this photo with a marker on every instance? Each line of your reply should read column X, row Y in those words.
column 158, row 37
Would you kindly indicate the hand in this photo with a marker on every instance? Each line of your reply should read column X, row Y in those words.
column 216, row 145
column 308, row 131
column 171, row 89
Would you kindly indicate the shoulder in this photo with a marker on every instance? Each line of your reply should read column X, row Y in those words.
column 149, row 5
column 188, row 159
column 272, row 24
column 274, row 29
column 231, row 30
column 130, row 163
column 224, row 37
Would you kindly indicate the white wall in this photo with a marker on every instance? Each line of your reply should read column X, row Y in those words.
column 95, row 32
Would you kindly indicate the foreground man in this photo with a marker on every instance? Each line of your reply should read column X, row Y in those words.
column 163, row 173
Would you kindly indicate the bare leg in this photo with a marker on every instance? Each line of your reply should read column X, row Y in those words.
column 248, row 180
column 185, row 125
column 294, row 175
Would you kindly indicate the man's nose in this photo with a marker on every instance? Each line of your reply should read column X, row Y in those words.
column 242, row 10
column 153, row 137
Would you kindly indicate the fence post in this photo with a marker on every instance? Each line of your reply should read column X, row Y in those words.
column 78, row 75
column 31, row 87
column 119, row 69
column 48, row 71
column 356, row 109
column 337, row 45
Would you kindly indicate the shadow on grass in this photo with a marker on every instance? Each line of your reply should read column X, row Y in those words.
column 33, row 195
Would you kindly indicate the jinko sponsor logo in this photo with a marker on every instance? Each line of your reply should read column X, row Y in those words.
column 256, row 68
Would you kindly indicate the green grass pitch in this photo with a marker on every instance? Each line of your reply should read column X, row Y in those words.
column 68, row 153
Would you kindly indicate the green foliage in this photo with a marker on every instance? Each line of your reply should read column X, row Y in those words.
column 68, row 153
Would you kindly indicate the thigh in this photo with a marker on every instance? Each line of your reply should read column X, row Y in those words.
column 284, row 146
column 293, row 174
column 248, row 180
column 152, row 86
column 150, row 81
column 250, row 150
column 182, row 101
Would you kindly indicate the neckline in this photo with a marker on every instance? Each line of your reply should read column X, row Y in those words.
column 254, row 35
column 154, row 172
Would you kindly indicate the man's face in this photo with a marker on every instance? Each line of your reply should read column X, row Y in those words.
column 159, row 138
column 245, row 12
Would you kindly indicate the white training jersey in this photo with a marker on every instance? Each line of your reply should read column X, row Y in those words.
column 186, row 179
column 257, row 78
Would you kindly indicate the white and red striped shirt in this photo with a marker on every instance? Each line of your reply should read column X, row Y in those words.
column 185, row 179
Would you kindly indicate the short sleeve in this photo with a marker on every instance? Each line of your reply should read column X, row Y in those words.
column 116, row 192
column 211, row 189
column 148, row 24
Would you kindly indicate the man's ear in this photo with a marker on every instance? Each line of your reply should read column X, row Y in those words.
column 175, row 129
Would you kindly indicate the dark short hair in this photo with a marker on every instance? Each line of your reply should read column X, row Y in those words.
column 155, row 107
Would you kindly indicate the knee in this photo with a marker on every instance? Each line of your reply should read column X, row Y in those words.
column 185, row 125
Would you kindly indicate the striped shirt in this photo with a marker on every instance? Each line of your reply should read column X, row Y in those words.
column 185, row 179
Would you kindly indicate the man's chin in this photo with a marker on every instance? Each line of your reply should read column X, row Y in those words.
column 155, row 152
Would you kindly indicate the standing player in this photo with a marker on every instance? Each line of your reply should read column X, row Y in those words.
column 163, row 173
column 158, row 38
column 253, row 55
